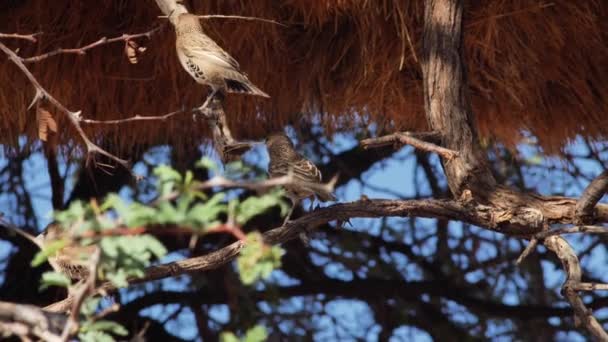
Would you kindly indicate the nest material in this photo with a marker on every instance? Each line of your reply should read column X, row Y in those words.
column 531, row 67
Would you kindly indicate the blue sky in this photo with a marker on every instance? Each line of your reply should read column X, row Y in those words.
column 393, row 178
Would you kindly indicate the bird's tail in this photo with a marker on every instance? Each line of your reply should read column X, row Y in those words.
column 244, row 86
column 325, row 191
column 326, row 196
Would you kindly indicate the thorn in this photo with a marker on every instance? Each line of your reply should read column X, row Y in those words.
column 37, row 97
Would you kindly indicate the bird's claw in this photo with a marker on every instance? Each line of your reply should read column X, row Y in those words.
column 305, row 239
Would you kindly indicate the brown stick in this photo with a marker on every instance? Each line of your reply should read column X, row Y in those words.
column 82, row 50
column 23, row 319
column 592, row 194
column 417, row 140
column 73, row 117
column 134, row 118
column 442, row 209
column 584, row 316
column 30, row 37
column 447, row 107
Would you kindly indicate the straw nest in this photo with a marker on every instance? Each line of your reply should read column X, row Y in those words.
column 532, row 66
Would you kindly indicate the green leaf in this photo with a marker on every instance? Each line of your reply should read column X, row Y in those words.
column 254, row 206
column 90, row 305
column 153, row 245
column 54, row 279
column 188, row 179
column 118, row 278
column 167, row 178
column 49, row 250
column 256, row 334
column 106, row 326
column 76, row 211
column 256, row 260
column 95, row 336
column 202, row 214
column 109, row 247
column 228, row 337
column 206, row 163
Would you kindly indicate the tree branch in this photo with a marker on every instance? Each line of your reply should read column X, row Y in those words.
column 443, row 209
column 417, row 140
column 73, row 117
column 134, row 118
column 591, row 195
column 82, row 50
column 447, row 106
column 584, row 316
column 30, row 37
column 22, row 319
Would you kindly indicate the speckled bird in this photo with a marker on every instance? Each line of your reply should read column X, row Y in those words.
column 285, row 159
column 206, row 61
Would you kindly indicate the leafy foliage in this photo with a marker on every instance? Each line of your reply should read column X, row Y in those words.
column 257, row 260
column 123, row 233
column 255, row 334
column 54, row 279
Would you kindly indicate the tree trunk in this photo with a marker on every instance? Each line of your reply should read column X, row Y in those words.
column 445, row 95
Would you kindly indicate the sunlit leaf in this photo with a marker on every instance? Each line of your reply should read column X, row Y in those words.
column 54, row 279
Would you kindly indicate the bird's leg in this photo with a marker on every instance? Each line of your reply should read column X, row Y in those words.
column 206, row 103
column 294, row 203
column 312, row 204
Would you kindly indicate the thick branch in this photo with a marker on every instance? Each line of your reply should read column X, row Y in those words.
column 592, row 194
column 225, row 145
column 34, row 320
column 584, row 316
column 443, row 209
column 446, row 104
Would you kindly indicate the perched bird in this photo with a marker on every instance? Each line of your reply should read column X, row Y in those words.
column 69, row 260
column 206, row 61
column 284, row 160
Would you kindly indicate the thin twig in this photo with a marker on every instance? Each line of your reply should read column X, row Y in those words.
column 30, row 37
column 409, row 138
column 131, row 119
column 591, row 287
column 572, row 230
column 222, row 182
column 220, row 16
column 82, row 50
column 529, row 248
column 73, row 117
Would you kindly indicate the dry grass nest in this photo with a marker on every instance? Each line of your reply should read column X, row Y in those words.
column 532, row 66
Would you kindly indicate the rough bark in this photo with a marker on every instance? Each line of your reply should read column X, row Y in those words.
column 445, row 96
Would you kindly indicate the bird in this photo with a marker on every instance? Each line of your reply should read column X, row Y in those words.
column 285, row 160
column 69, row 260
column 206, row 61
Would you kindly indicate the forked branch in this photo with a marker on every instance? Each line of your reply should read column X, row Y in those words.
column 572, row 285
column 72, row 116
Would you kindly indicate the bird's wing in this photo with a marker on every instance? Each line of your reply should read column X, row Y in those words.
column 201, row 47
column 306, row 171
